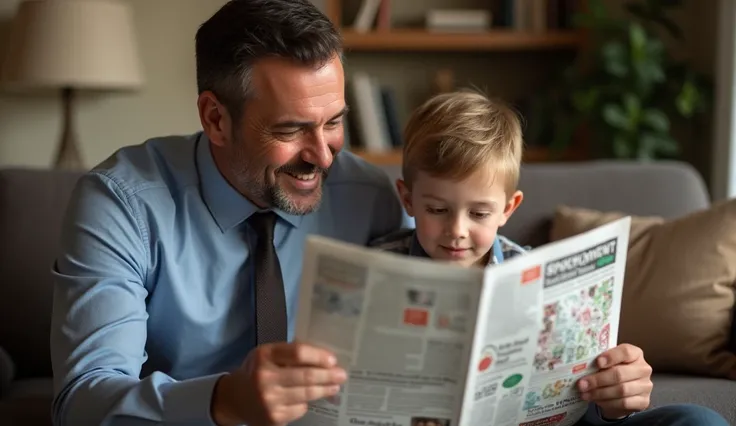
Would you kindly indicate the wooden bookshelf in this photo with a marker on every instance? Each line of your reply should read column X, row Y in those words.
column 405, row 37
column 531, row 155
column 495, row 40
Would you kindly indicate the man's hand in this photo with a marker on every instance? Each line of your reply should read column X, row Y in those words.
column 623, row 386
column 274, row 385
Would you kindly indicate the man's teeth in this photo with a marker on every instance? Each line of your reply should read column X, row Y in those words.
column 304, row 177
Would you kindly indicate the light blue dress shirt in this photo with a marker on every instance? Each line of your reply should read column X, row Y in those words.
column 153, row 289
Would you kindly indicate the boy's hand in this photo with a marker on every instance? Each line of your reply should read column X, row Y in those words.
column 623, row 386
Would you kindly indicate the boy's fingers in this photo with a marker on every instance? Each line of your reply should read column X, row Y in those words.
column 614, row 376
column 621, row 354
column 618, row 391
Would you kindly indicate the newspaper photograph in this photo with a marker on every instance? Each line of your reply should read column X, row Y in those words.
column 427, row 343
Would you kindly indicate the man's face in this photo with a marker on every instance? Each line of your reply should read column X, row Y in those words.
column 281, row 149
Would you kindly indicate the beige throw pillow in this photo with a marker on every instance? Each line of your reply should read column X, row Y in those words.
column 679, row 291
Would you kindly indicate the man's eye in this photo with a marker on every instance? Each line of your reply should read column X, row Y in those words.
column 333, row 124
column 288, row 134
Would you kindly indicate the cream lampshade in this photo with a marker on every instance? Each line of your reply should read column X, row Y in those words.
column 68, row 45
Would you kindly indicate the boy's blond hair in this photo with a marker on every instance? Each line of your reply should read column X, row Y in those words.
column 453, row 135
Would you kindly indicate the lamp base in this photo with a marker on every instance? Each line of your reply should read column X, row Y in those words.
column 68, row 156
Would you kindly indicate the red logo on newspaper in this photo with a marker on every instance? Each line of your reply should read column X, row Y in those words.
column 486, row 359
column 531, row 274
column 416, row 317
column 578, row 368
column 551, row 420
column 485, row 363
column 604, row 336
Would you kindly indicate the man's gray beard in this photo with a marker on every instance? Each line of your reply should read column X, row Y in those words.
column 274, row 195
column 280, row 199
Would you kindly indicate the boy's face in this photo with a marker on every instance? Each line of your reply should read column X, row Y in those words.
column 457, row 221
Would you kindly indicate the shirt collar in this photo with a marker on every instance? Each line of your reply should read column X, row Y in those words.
column 228, row 207
column 496, row 257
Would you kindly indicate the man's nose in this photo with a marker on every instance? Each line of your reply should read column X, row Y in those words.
column 318, row 151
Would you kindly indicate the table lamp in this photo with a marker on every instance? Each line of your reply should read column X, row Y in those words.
column 68, row 45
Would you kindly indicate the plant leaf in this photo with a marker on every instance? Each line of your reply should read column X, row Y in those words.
column 632, row 103
column 637, row 38
column 657, row 120
column 615, row 116
column 615, row 59
column 651, row 144
column 688, row 99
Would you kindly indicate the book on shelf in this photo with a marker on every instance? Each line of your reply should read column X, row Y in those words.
column 458, row 20
column 521, row 15
column 373, row 123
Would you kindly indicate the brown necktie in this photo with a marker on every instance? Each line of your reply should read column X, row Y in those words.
column 271, row 323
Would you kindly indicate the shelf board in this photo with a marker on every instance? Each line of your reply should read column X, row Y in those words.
column 531, row 155
column 494, row 40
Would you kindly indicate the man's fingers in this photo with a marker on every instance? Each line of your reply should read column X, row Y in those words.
column 303, row 394
column 301, row 354
column 312, row 376
column 287, row 414
column 621, row 354
column 613, row 376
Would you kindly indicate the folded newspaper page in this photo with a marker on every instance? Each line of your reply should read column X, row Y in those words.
column 427, row 343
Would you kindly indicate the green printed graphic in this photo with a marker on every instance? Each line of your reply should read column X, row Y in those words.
column 605, row 260
column 512, row 381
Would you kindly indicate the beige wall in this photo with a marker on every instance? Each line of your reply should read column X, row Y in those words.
column 30, row 126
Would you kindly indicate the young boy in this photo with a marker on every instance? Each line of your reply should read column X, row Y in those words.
column 461, row 162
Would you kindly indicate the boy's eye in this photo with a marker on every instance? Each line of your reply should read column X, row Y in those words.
column 481, row 215
column 432, row 210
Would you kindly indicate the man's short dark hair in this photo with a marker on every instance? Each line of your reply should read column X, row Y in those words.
column 244, row 31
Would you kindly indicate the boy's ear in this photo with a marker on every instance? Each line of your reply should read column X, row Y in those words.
column 404, row 196
column 511, row 206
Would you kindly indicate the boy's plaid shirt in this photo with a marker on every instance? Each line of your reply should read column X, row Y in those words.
column 405, row 242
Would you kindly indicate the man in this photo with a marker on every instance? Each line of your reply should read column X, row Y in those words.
column 160, row 287
column 177, row 281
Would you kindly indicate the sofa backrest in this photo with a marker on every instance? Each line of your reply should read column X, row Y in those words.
column 667, row 189
column 32, row 203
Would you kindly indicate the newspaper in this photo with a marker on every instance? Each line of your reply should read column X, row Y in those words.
column 427, row 343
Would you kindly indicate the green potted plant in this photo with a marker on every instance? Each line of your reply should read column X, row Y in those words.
column 626, row 91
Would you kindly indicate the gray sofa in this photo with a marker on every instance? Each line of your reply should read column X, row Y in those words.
column 32, row 202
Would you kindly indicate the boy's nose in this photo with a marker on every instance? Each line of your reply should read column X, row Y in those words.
column 457, row 228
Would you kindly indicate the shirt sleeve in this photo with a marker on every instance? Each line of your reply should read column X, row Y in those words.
column 98, row 330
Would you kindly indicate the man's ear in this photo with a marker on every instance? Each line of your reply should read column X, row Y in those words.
column 511, row 205
column 405, row 196
column 215, row 119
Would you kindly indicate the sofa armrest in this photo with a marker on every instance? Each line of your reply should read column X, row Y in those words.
column 7, row 371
